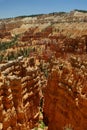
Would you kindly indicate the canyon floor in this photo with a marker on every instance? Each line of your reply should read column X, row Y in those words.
column 43, row 72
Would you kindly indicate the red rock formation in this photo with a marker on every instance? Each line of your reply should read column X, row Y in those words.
column 19, row 96
column 38, row 35
column 3, row 32
column 52, row 39
column 13, row 24
column 65, row 101
column 5, row 35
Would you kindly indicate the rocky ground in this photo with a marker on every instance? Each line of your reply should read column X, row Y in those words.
column 43, row 72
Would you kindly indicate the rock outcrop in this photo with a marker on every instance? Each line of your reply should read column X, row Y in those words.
column 43, row 69
column 65, row 97
column 19, row 96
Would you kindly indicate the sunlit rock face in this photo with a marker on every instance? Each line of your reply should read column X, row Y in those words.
column 43, row 68
column 3, row 32
column 65, row 97
column 19, row 96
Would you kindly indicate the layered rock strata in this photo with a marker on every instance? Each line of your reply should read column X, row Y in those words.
column 19, row 96
column 65, row 97
column 58, row 44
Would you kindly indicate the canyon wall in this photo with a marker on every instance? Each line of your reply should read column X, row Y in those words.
column 19, row 96
column 65, row 96
column 43, row 69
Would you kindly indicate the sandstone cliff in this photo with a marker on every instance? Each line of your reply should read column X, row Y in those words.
column 65, row 97
column 19, row 96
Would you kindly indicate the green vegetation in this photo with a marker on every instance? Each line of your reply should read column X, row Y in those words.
column 33, row 15
column 7, row 45
column 14, row 55
column 83, row 11
column 42, row 125
column 22, row 52
column 11, row 55
column 59, row 13
column 36, row 15
column 1, row 57
column 36, row 128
